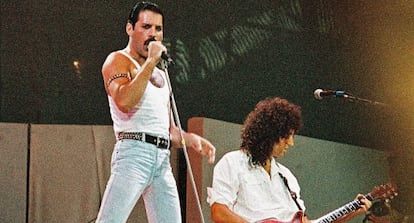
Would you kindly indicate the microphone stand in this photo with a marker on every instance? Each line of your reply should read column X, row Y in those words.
column 164, row 66
column 353, row 98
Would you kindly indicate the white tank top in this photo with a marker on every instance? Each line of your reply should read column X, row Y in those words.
column 150, row 115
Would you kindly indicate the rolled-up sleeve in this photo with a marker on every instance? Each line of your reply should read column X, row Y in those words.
column 225, row 183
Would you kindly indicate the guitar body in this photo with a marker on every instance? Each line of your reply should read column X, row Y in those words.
column 297, row 218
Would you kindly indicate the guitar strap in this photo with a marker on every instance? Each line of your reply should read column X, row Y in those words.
column 292, row 193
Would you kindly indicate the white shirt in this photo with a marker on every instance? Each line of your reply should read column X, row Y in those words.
column 150, row 115
column 250, row 192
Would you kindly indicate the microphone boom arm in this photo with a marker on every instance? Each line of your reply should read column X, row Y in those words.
column 352, row 98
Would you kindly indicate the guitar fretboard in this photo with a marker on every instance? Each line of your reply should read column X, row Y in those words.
column 340, row 212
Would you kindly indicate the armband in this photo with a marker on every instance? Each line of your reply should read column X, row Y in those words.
column 116, row 76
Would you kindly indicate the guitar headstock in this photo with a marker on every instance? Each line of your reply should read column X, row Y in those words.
column 386, row 191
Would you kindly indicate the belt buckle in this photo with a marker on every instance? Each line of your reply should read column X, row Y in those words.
column 162, row 143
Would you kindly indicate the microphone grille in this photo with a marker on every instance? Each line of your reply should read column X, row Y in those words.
column 317, row 94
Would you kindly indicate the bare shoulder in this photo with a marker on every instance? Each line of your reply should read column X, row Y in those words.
column 116, row 65
column 117, row 62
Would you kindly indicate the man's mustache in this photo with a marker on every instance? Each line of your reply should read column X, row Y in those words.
column 149, row 40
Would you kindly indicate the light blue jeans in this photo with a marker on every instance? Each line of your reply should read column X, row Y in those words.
column 139, row 168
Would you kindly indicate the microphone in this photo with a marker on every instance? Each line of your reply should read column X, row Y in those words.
column 319, row 93
column 164, row 54
column 166, row 57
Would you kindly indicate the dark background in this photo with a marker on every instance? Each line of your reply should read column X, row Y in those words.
column 229, row 55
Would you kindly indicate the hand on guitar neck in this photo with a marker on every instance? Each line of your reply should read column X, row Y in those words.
column 348, row 211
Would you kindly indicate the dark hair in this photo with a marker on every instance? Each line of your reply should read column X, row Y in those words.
column 141, row 6
column 272, row 119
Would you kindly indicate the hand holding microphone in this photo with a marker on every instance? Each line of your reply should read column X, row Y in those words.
column 156, row 47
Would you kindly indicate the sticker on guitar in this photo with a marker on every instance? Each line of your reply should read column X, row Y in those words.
column 387, row 191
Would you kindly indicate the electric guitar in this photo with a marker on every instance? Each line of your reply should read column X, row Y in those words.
column 387, row 191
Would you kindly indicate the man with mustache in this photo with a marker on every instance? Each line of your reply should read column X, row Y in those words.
column 139, row 101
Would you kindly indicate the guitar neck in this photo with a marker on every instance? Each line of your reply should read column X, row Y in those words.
column 342, row 211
